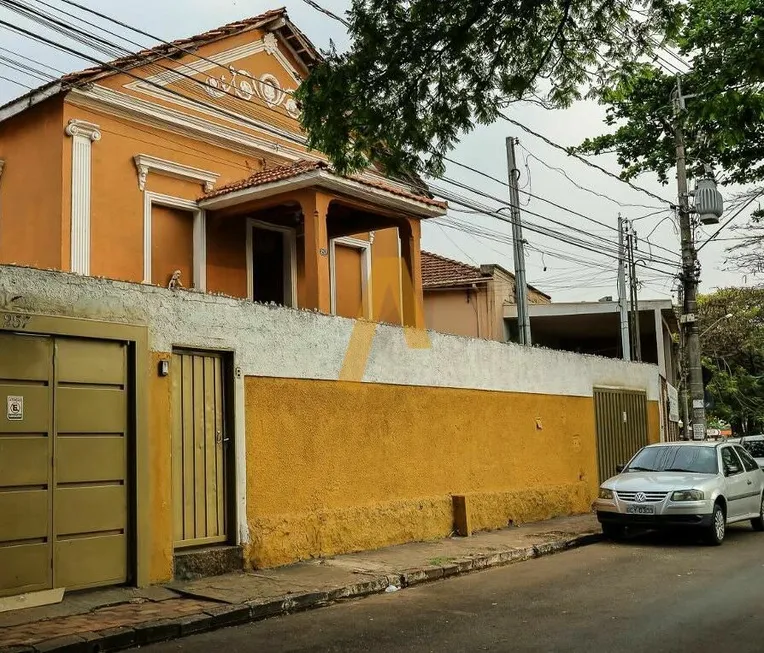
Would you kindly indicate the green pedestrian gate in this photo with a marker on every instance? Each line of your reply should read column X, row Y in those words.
column 621, row 420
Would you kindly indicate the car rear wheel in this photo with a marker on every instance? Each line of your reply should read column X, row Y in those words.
column 718, row 529
column 613, row 531
column 758, row 522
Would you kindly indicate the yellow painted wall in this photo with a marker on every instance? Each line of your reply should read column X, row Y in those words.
column 31, row 144
column 160, row 457
column 343, row 466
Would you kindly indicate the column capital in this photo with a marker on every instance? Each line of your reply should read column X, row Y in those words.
column 83, row 128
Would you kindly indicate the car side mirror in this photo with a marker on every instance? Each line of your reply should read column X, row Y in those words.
column 619, row 468
column 731, row 470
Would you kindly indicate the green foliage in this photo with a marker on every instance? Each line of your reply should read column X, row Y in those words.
column 420, row 73
column 734, row 351
column 724, row 122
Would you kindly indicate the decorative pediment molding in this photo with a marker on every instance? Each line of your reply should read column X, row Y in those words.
column 145, row 163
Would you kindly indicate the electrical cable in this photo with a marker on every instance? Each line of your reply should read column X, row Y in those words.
column 750, row 201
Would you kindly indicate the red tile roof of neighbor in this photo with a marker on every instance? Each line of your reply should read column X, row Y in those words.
column 441, row 271
column 438, row 271
column 292, row 170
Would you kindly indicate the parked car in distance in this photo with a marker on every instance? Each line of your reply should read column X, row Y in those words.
column 693, row 485
column 754, row 445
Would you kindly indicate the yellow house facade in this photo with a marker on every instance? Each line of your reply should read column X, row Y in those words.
column 211, row 345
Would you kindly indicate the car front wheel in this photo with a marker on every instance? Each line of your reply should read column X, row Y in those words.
column 758, row 522
column 718, row 529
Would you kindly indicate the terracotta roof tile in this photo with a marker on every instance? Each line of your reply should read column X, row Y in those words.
column 441, row 271
column 164, row 49
column 303, row 166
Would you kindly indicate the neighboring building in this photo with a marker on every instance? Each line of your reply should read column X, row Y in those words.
column 595, row 328
column 469, row 301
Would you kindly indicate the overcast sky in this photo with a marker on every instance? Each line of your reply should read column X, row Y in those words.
column 589, row 276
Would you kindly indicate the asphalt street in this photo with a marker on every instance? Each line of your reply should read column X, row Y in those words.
column 653, row 593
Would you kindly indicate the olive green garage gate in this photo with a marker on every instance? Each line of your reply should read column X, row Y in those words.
column 621, row 421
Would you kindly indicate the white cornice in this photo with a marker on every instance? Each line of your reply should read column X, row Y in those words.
column 354, row 189
column 144, row 112
column 146, row 163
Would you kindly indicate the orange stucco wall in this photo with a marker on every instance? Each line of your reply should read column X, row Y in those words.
column 459, row 311
column 32, row 146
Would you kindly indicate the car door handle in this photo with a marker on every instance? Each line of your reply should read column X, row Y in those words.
column 750, row 482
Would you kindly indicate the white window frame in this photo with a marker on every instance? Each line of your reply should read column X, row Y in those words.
column 199, row 255
column 290, row 254
column 365, row 247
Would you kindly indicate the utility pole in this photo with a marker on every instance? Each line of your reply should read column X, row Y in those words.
column 688, row 319
column 521, row 285
column 623, row 306
column 634, row 292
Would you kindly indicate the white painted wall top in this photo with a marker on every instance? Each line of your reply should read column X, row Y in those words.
column 282, row 342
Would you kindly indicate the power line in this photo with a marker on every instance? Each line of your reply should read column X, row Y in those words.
column 550, row 202
column 611, row 244
column 326, row 12
column 13, row 81
column 456, row 198
column 750, row 201
column 557, row 146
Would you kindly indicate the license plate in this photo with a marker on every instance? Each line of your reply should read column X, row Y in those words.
column 640, row 510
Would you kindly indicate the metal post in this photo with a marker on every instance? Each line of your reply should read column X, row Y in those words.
column 623, row 302
column 521, row 285
column 688, row 318
column 634, row 288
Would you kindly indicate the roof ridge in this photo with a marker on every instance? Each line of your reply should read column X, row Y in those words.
column 451, row 260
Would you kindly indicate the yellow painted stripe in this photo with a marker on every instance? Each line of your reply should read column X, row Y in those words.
column 357, row 353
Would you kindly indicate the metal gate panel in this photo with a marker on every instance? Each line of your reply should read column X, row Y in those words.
column 621, row 422
column 199, row 462
column 26, row 371
column 90, row 500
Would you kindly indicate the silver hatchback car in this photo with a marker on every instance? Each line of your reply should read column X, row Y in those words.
column 700, row 485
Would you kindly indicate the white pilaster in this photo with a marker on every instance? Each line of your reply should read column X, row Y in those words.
column 83, row 135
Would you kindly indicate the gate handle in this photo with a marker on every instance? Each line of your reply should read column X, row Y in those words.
column 219, row 438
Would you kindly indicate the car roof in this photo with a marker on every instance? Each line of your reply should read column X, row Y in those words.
column 748, row 438
column 687, row 443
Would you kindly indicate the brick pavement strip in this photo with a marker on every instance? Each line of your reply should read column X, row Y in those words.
column 122, row 626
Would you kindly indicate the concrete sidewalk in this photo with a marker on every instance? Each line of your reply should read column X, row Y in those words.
column 118, row 618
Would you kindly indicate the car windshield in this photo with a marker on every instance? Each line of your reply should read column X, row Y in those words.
column 755, row 448
column 696, row 460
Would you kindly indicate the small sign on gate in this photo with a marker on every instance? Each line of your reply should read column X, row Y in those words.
column 15, row 408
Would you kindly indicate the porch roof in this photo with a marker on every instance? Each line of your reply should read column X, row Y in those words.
column 304, row 173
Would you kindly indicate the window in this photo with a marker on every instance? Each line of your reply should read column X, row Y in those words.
column 681, row 458
column 172, row 245
column 749, row 463
column 271, row 263
column 731, row 461
column 754, row 447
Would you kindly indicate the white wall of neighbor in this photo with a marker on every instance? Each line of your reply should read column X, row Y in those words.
column 283, row 342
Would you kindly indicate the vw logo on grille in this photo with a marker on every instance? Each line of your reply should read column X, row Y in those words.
column 640, row 497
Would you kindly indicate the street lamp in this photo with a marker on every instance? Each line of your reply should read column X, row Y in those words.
column 724, row 317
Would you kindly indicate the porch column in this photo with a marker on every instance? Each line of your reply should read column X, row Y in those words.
column 83, row 135
column 411, row 274
column 315, row 207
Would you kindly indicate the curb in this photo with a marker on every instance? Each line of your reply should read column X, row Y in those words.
column 151, row 632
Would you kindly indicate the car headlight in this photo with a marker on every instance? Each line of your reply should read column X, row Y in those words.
column 687, row 495
column 605, row 493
